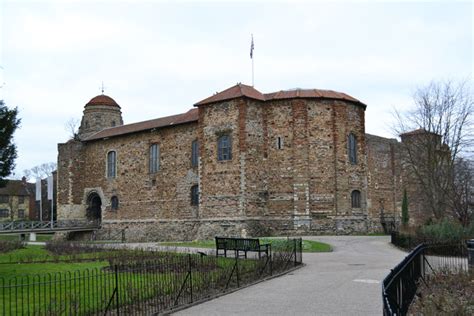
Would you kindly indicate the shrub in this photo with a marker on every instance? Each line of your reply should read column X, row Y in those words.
column 445, row 294
column 70, row 248
column 9, row 245
column 446, row 231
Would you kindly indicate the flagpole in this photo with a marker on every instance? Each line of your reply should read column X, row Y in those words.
column 252, row 73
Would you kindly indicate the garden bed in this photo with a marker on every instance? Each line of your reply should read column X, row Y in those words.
column 85, row 280
column 445, row 294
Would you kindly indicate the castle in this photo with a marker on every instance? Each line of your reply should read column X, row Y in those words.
column 241, row 162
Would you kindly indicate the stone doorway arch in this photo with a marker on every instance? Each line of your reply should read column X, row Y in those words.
column 94, row 207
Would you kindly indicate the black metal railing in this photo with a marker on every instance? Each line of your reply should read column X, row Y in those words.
column 400, row 285
column 140, row 287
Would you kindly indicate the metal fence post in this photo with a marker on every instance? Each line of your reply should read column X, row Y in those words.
column 117, row 290
column 470, row 254
column 237, row 268
column 294, row 251
column 190, row 277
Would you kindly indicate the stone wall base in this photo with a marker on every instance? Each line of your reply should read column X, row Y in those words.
column 150, row 231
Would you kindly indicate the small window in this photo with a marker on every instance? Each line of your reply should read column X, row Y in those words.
column 111, row 164
column 352, row 148
column 224, row 148
column 194, row 153
column 21, row 199
column 4, row 213
column 154, row 158
column 86, row 124
column 355, row 199
column 279, row 143
column 4, row 198
column 114, row 203
column 194, row 195
column 113, row 124
column 21, row 213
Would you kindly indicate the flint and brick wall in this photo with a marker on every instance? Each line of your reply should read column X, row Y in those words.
column 304, row 187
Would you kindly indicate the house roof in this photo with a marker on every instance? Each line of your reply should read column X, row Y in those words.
column 14, row 187
column 188, row 117
column 102, row 100
column 241, row 90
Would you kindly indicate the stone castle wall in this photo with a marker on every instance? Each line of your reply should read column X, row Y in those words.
column 304, row 187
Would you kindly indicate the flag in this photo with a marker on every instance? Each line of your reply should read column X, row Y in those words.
column 251, row 48
column 38, row 189
column 50, row 188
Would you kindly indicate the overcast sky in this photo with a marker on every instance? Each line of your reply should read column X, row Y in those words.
column 159, row 58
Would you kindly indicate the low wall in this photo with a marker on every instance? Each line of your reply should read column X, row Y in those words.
column 182, row 230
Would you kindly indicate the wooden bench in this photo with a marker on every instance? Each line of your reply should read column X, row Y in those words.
column 239, row 245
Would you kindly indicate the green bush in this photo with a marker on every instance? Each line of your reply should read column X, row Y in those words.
column 446, row 231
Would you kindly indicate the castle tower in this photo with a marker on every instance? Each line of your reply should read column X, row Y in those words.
column 99, row 113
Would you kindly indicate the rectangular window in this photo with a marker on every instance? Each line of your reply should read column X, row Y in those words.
column 279, row 143
column 224, row 148
column 21, row 199
column 4, row 198
column 4, row 213
column 111, row 164
column 352, row 148
column 154, row 158
column 195, row 153
column 194, row 195
column 21, row 213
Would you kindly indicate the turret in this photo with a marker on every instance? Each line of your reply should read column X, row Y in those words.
column 99, row 113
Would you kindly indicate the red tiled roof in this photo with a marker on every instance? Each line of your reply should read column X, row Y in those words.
column 310, row 93
column 188, row 117
column 102, row 100
column 239, row 90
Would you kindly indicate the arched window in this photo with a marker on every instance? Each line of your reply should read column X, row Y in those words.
column 352, row 148
column 111, row 164
column 224, row 148
column 355, row 199
column 114, row 203
column 194, row 195
column 154, row 158
column 194, row 153
column 113, row 123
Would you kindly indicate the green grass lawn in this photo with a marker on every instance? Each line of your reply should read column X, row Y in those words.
column 85, row 288
column 8, row 269
column 308, row 245
column 39, row 237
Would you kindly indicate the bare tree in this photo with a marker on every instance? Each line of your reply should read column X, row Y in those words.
column 41, row 171
column 72, row 127
column 435, row 134
column 462, row 197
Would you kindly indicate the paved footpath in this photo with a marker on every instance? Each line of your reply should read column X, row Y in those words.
column 346, row 281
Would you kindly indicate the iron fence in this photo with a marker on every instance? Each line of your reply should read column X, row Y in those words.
column 140, row 287
column 46, row 226
column 400, row 285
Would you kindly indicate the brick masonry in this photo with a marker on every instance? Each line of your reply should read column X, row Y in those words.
column 304, row 187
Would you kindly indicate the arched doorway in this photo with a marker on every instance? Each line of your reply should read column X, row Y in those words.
column 94, row 207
